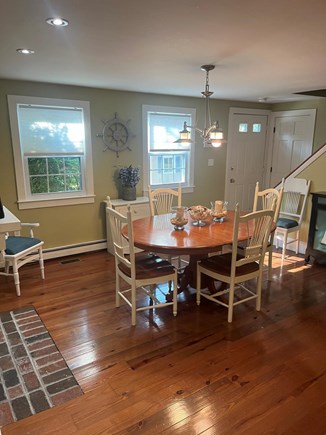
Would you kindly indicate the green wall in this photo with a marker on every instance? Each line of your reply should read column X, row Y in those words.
column 316, row 173
column 67, row 225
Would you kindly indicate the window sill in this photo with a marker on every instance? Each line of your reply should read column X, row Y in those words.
column 186, row 189
column 57, row 202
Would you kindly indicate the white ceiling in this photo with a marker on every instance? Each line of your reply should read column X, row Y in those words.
column 261, row 48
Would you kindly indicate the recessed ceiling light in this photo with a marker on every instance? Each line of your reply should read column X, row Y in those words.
column 25, row 51
column 57, row 21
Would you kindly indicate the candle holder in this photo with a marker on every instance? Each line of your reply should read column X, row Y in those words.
column 219, row 210
column 179, row 217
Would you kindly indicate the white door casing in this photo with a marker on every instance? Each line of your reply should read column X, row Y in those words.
column 246, row 155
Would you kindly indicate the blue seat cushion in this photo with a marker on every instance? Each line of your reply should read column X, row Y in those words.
column 16, row 244
column 286, row 223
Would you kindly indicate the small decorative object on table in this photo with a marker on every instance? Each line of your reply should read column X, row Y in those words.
column 219, row 210
column 199, row 214
column 179, row 217
column 129, row 176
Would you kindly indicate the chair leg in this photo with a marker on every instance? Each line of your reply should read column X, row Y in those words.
column 175, row 296
column 285, row 242
column 117, row 289
column 170, row 282
column 198, row 287
column 298, row 242
column 16, row 278
column 259, row 283
column 41, row 261
column 231, row 301
column 133, row 305
column 270, row 264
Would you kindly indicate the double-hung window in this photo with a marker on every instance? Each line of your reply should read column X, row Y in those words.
column 166, row 163
column 52, row 151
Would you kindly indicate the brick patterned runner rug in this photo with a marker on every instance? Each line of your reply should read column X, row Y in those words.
column 33, row 374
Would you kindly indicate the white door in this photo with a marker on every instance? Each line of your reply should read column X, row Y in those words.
column 245, row 155
column 293, row 134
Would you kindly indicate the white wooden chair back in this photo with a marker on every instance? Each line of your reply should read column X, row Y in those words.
column 256, row 243
column 263, row 200
column 162, row 199
column 236, row 268
column 117, row 222
column 269, row 199
column 295, row 196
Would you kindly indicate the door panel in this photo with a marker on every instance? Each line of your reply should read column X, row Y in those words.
column 245, row 161
column 292, row 143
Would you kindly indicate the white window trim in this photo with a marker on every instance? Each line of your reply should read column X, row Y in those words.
column 167, row 109
column 25, row 201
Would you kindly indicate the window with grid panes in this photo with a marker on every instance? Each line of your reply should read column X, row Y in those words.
column 52, row 151
column 166, row 163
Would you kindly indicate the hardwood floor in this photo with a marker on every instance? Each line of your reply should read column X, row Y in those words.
column 190, row 374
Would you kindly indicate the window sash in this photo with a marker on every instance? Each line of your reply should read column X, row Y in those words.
column 46, row 129
column 166, row 170
column 76, row 110
column 155, row 116
column 164, row 129
column 63, row 177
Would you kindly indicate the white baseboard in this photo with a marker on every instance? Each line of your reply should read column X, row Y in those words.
column 80, row 248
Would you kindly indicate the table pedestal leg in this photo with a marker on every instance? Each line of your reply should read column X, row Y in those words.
column 189, row 276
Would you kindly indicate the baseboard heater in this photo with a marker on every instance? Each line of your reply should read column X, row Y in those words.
column 79, row 248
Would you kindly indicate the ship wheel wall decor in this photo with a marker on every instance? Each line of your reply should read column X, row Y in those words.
column 116, row 134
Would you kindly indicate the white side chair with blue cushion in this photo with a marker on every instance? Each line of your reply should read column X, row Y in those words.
column 291, row 215
column 21, row 250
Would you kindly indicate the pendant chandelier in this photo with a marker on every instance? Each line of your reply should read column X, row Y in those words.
column 212, row 135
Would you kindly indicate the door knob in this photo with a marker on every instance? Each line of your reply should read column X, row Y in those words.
column 232, row 180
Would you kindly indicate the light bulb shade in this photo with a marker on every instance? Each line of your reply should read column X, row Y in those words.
column 185, row 135
column 216, row 133
column 216, row 143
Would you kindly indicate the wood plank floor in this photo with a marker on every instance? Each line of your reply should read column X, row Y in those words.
column 190, row 374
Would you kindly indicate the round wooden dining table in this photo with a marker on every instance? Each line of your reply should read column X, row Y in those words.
column 157, row 234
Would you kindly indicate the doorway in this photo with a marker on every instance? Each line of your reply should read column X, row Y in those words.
column 246, row 155
column 251, row 158
column 291, row 139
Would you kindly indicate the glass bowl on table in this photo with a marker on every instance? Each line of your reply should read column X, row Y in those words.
column 199, row 214
column 179, row 217
column 219, row 210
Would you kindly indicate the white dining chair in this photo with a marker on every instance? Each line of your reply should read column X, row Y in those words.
column 21, row 250
column 143, row 272
column 265, row 200
column 161, row 201
column 291, row 214
column 234, row 268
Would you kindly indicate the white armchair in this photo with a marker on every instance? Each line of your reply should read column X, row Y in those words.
column 20, row 250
